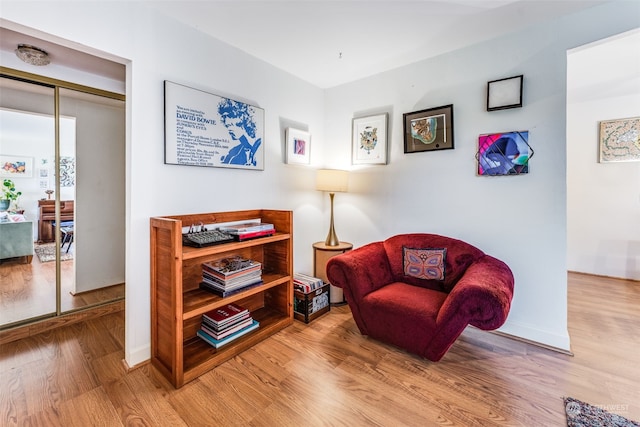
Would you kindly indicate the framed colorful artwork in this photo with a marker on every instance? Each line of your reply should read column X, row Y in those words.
column 506, row 153
column 16, row 166
column 428, row 130
column 369, row 141
column 505, row 93
column 298, row 146
column 203, row 129
column 620, row 140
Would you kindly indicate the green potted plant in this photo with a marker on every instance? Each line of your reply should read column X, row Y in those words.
column 9, row 194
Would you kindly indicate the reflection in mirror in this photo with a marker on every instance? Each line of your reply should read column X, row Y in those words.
column 38, row 245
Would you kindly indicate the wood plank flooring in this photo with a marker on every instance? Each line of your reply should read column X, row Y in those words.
column 29, row 290
column 327, row 374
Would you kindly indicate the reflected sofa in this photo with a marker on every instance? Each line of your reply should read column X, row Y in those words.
column 16, row 240
column 420, row 291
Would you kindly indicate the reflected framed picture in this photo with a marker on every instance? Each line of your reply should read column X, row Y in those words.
column 428, row 130
column 298, row 146
column 505, row 153
column 369, row 140
column 16, row 166
column 620, row 140
column 505, row 93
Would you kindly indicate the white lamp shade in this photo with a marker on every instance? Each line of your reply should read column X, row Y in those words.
column 332, row 180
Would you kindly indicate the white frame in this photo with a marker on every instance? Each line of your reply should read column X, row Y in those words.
column 376, row 155
column 8, row 159
column 619, row 140
column 196, row 134
column 295, row 137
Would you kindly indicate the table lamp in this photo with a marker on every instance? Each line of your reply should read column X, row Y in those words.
column 332, row 180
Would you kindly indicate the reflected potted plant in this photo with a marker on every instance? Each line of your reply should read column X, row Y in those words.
column 9, row 194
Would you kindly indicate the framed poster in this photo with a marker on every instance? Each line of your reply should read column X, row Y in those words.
column 506, row 153
column 428, row 130
column 203, row 129
column 16, row 166
column 298, row 146
column 620, row 140
column 369, row 140
column 505, row 93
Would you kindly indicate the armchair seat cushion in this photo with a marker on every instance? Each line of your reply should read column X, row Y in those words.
column 402, row 312
column 421, row 315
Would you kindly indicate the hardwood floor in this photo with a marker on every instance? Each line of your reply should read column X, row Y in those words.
column 326, row 373
column 29, row 290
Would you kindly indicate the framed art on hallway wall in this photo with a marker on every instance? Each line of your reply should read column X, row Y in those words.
column 620, row 140
column 369, row 141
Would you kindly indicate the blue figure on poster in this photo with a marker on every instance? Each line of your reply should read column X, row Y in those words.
column 238, row 118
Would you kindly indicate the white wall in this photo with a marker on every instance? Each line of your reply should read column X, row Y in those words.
column 156, row 48
column 519, row 219
column 603, row 199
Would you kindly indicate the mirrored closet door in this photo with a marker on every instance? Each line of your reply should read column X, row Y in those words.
column 62, row 148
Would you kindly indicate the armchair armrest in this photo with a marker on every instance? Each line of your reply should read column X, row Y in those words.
column 482, row 297
column 360, row 271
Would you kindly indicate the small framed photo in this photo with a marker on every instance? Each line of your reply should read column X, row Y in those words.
column 298, row 146
column 369, row 141
column 16, row 166
column 428, row 130
column 505, row 93
column 620, row 140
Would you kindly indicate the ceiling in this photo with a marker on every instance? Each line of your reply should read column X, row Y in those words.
column 331, row 42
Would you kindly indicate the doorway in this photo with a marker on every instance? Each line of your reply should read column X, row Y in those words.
column 603, row 213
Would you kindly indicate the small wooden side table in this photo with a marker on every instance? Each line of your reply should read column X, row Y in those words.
column 321, row 255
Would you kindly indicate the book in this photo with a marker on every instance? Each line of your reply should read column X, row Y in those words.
column 246, row 227
column 231, row 266
column 227, row 293
column 226, row 331
column 253, row 234
column 235, row 281
column 217, row 343
column 225, row 326
column 225, row 314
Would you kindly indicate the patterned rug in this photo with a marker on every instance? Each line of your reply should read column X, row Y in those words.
column 580, row 414
column 46, row 252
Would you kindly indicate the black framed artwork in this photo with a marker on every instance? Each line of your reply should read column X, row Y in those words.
column 428, row 130
column 505, row 93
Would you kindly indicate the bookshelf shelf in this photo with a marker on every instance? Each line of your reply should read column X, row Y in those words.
column 177, row 303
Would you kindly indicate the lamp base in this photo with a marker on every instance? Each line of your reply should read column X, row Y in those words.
column 332, row 237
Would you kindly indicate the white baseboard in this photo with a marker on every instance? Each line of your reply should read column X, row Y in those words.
column 138, row 356
column 547, row 339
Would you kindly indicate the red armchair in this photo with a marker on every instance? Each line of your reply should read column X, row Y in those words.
column 395, row 304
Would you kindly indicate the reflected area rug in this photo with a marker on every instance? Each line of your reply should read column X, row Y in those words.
column 46, row 252
column 580, row 414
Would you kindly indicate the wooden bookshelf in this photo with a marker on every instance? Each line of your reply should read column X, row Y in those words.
column 177, row 303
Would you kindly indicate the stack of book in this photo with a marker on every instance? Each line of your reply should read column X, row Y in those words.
column 249, row 230
column 305, row 283
column 225, row 324
column 231, row 275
